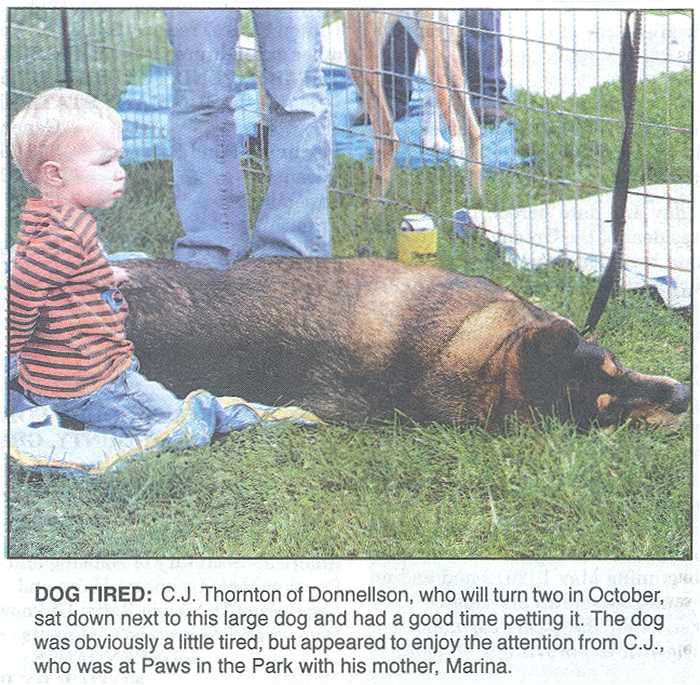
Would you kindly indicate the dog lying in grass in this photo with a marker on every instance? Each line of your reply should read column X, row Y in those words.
column 358, row 339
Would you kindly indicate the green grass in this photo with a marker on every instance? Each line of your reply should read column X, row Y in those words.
column 383, row 491
column 374, row 492
column 398, row 490
column 109, row 49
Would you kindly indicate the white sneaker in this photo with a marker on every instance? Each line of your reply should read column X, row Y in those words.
column 458, row 150
column 430, row 136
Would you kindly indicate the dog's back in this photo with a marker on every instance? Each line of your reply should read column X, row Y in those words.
column 348, row 337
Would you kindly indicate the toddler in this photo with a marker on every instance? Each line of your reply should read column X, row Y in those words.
column 67, row 315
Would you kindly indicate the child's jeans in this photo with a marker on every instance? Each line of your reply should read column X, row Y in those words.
column 132, row 415
column 128, row 406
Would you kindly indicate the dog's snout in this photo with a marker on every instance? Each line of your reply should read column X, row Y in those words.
column 680, row 398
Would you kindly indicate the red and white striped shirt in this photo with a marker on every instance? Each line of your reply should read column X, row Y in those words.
column 66, row 314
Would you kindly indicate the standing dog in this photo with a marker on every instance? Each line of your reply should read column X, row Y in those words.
column 365, row 33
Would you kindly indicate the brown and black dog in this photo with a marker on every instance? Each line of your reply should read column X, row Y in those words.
column 358, row 339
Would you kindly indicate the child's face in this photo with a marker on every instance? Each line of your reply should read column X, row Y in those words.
column 90, row 169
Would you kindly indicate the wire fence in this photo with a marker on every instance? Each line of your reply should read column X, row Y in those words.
column 543, row 83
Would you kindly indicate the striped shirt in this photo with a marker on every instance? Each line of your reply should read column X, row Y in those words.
column 66, row 314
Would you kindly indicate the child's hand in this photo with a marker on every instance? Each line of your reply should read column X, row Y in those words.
column 120, row 275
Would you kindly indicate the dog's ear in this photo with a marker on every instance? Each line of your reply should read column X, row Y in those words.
column 555, row 341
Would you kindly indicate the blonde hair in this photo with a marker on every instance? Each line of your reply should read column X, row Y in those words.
column 39, row 131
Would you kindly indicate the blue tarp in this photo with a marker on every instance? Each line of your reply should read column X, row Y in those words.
column 38, row 441
column 144, row 109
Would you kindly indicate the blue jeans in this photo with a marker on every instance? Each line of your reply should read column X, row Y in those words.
column 482, row 54
column 209, row 188
column 128, row 417
column 128, row 406
column 398, row 57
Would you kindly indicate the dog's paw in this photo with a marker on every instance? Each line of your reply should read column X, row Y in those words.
column 432, row 141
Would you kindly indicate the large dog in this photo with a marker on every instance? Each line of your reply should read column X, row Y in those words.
column 365, row 33
column 357, row 339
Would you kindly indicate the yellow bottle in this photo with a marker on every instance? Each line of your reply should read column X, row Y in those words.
column 416, row 240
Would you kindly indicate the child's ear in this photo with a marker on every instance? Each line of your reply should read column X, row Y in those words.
column 50, row 173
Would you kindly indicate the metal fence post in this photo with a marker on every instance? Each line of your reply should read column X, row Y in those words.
column 65, row 36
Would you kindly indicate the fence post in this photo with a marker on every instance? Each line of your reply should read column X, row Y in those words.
column 65, row 35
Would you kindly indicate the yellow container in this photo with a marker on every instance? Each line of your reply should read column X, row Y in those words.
column 416, row 240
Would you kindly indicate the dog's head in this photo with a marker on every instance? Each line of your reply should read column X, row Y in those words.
column 562, row 374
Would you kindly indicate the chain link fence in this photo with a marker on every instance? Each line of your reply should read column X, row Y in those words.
column 548, row 164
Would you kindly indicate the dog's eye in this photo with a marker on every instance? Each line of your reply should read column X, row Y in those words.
column 604, row 402
column 609, row 367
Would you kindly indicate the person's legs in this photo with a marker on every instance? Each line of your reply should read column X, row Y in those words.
column 482, row 55
column 129, row 406
column 398, row 64
column 209, row 189
column 293, row 219
column 399, row 54
column 133, row 413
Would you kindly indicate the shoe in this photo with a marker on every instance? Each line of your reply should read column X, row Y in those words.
column 257, row 146
column 360, row 119
column 491, row 112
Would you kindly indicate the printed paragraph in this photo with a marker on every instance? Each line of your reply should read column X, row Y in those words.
column 312, row 629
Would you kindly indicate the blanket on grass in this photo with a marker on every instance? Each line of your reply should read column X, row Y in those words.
column 657, row 253
column 39, row 442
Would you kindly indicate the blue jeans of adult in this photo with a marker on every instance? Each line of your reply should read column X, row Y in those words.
column 399, row 54
column 209, row 187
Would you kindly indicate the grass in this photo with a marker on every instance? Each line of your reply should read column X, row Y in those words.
column 380, row 492
column 396, row 490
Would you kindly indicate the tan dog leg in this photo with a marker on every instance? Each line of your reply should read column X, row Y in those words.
column 465, row 115
column 440, row 43
column 364, row 31
column 433, row 48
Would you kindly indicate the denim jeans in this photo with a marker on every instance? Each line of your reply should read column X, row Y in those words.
column 398, row 57
column 128, row 417
column 128, row 406
column 209, row 188
column 482, row 54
